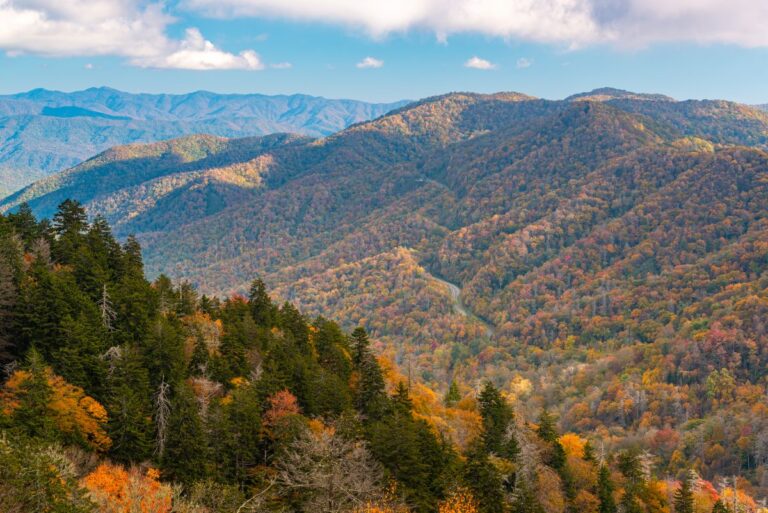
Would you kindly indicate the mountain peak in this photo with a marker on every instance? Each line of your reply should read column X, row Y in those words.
column 611, row 93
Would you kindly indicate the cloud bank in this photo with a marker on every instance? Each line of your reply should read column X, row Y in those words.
column 132, row 29
column 623, row 23
column 137, row 30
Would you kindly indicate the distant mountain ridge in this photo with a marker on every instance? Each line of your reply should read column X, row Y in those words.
column 44, row 131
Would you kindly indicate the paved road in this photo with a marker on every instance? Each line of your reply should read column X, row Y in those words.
column 459, row 308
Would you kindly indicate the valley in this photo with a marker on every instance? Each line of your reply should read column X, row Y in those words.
column 610, row 250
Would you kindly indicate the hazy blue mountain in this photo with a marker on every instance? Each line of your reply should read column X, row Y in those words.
column 43, row 131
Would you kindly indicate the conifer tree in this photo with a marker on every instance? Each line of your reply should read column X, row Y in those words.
column 484, row 481
column 683, row 499
column 185, row 457
column 370, row 395
column 263, row 310
column 497, row 417
column 452, row 396
column 128, row 403
column 605, row 490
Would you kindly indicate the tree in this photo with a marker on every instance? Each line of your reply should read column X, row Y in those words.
column 484, row 481
column 370, row 393
column 452, row 396
column 683, row 499
column 605, row 490
column 264, row 312
column 48, row 407
column 128, row 401
column 185, row 456
column 497, row 417
column 117, row 490
column 320, row 471
column 69, row 224
column 10, row 268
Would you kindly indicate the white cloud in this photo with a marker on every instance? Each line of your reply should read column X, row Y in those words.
column 625, row 23
column 370, row 62
column 88, row 66
column 195, row 53
column 523, row 63
column 134, row 29
column 478, row 63
column 281, row 65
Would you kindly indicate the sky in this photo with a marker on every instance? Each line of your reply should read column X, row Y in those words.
column 386, row 50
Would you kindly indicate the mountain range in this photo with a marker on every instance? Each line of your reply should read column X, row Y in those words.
column 43, row 131
column 463, row 224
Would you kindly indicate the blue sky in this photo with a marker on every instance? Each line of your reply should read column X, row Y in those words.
column 386, row 52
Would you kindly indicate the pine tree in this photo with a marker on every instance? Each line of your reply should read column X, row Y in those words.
column 185, row 458
column 683, row 500
column 10, row 265
column 263, row 310
column 605, row 490
column 69, row 224
column 452, row 396
column 370, row 395
column 133, row 264
column 484, row 481
column 128, row 403
column 497, row 417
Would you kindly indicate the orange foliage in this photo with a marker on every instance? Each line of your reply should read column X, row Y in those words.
column 461, row 501
column 72, row 411
column 282, row 404
column 117, row 490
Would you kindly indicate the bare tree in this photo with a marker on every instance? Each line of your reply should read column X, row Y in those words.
column 330, row 474
column 107, row 311
column 162, row 413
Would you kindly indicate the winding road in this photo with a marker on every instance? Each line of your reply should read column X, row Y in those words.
column 460, row 308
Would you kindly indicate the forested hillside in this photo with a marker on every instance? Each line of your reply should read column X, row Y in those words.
column 121, row 395
column 603, row 257
column 43, row 131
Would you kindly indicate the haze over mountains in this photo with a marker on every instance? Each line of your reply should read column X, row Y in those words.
column 43, row 131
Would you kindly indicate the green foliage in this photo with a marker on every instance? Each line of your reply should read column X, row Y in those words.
column 35, row 477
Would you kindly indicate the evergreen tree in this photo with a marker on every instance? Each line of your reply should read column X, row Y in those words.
column 128, row 404
column 69, row 224
column 263, row 310
column 370, row 395
column 32, row 414
column 484, row 481
column 185, row 458
column 605, row 490
column 452, row 396
column 683, row 499
column 133, row 264
column 497, row 417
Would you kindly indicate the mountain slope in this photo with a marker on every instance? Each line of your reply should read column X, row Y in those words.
column 543, row 214
column 42, row 131
column 604, row 257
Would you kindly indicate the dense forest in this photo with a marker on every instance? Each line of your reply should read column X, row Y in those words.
column 121, row 395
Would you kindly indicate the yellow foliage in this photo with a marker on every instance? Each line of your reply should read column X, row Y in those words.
column 117, row 490
column 573, row 444
column 72, row 411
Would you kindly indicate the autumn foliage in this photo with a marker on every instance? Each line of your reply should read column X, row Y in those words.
column 117, row 490
column 73, row 412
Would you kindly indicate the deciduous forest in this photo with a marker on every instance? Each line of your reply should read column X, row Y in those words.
column 124, row 395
